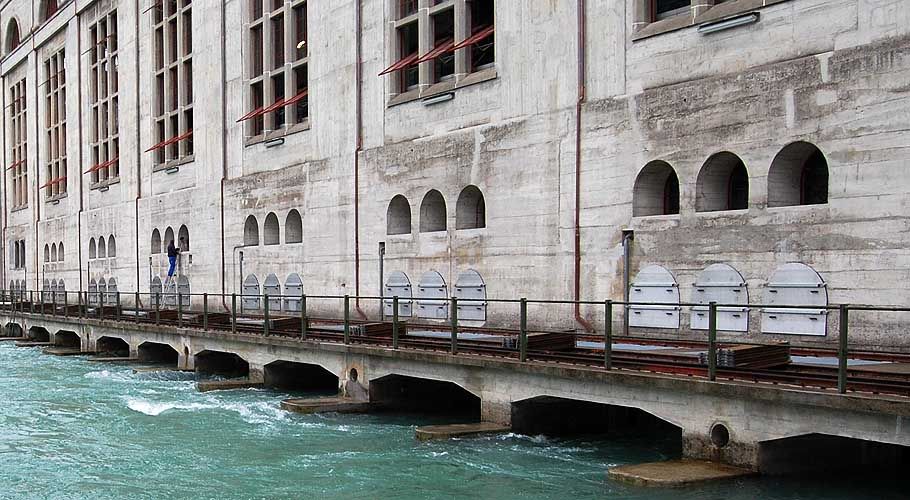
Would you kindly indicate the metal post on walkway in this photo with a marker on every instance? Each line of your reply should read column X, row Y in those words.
column 712, row 341
column 453, row 314
column 157, row 308
column 137, row 307
column 842, row 349
column 265, row 323
column 54, row 303
column 608, row 334
column 303, row 318
column 119, row 312
column 233, row 313
column 100, row 305
column 347, row 319
column 205, row 311
column 66, row 308
column 81, row 307
column 179, row 310
column 31, row 301
column 523, row 330
column 395, row 322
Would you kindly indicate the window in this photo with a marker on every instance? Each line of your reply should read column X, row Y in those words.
column 55, row 124
column 49, row 8
column 433, row 212
column 60, row 253
column 173, row 87
column 102, row 248
column 47, row 253
column 168, row 237
column 279, row 97
column 470, row 210
column 54, row 252
column 798, row 176
column 293, row 228
column 662, row 9
column 183, row 238
column 155, row 243
column 13, row 39
column 449, row 58
column 92, row 250
column 271, row 236
column 398, row 217
column 723, row 184
column 18, row 144
column 656, row 191
column 104, row 98
column 251, row 231
column 111, row 246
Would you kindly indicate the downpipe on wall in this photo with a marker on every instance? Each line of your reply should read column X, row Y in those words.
column 585, row 324
column 628, row 237
column 358, row 74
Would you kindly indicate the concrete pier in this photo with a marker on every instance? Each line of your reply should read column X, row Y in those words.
column 676, row 473
column 439, row 432
column 327, row 405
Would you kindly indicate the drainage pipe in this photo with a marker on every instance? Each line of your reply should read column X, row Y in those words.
column 138, row 163
column 224, row 125
column 358, row 111
column 627, row 238
column 578, row 107
column 37, row 178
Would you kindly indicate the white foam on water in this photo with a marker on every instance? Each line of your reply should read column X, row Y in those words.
column 154, row 409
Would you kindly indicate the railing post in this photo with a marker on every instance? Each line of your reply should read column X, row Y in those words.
column 54, row 303
column 31, row 301
column 137, row 307
column 523, row 330
column 205, row 311
column 303, row 318
column 395, row 332
column 100, row 306
column 118, row 312
column 608, row 334
column 66, row 312
column 347, row 319
column 842, row 349
column 233, row 313
column 82, row 311
column 265, row 323
column 712, row 341
column 453, row 315
column 179, row 310
column 157, row 308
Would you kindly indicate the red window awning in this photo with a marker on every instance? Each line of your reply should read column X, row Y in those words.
column 252, row 114
column 102, row 165
column 297, row 97
column 272, row 107
column 170, row 141
column 443, row 48
column 54, row 181
column 408, row 60
column 478, row 37
column 14, row 165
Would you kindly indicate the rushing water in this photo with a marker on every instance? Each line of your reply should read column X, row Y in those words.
column 71, row 428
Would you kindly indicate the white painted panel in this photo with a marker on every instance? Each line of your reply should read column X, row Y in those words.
column 724, row 285
column 654, row 285
column 795, row 284
column 183, row 288
column 472, row 296
column 398, row 285
column 250, row 299
column 432, row 297
column 293, row 288
column 272, row 288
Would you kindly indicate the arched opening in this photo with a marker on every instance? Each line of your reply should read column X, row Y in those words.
column 112, row 347
column 822, row 453
column 61, row 255
column 48, row 9
column 432, row 296
column 723, row 184
column 272, row 288
column 54, row 252
column 13, row 330
column 92, row 249
column 111, row 246
column 251, row 231
column 183, row 238
column 13, row 38
column 472, row 296
column 47, row 253
column 102, row 248
column 722, row 284
column 547, row 415
column 398, row 285
column 433, row 212
column 798, row 176
column 168, row 237
column 293, row 291
column 221, row 364
column 398, row 216
column 656, row 190
column 155, row 243
column 65, row 338
column 39, row 334
column 251, row 293
column 293, row 228
column 653, row 287
column 271, row 231
column 153, row 352
column 421, row 395
column 470, row 209
column 302, row 377
column 795, row 284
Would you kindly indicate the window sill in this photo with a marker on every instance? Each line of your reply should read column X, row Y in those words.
column 806, row 207
column 56, row 197
column 658, row 217
column 278, row 134
column 715, row 213
column 475, row 78
column 174, row 163
column 712, row 14
column 105, row 183
column 19, row 208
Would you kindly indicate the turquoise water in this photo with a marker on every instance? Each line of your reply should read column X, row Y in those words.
column 73, row 429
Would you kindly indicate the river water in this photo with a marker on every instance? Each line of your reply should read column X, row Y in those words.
column 73, row 429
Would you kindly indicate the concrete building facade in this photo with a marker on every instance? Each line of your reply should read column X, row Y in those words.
column 743, row 151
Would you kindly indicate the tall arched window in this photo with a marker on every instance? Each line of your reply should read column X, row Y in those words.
column 271, row 232
column 47, row 253
column 102, row 250
column 433, row 212
column 251, row 231
column 111, row 246
column 92, row 250
column 471, row 209
column 798, row 176
column 54, row 252
column 183, row 238
column 168, row 237
column 48, row 9
column 293, row 228
column 723, row 184
column 398, row 216
column 13, row 38
column 61, row 255
column 656, row 190
column 155, row 243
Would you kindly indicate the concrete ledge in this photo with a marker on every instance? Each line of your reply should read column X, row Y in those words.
column 113, row 359
column 64, row 351
column 28, row 343
column 226, row 385
column 327, row 405
column 676, row 473
column 433, row 432
column 10, row 339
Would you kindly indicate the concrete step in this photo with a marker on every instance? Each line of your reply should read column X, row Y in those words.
column 433, row 432
column 226, row 385
column 676, row 473
column 327, row 405
column 30, row 343
column 64, row 351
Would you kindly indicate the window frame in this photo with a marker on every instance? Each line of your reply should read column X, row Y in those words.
column 104, row 99
column 55, row 125
column 18, row 143
column 172, row 83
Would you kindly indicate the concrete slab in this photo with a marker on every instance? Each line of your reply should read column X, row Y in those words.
column 113, row 359
column 10, row 339
column 27, row 343
column 152, row 369
column 432, row 432
column 327, row 405
column 676, row 473
column 64, row 351
column 226, row 385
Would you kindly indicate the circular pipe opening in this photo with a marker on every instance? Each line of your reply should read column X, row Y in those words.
column 720, row 435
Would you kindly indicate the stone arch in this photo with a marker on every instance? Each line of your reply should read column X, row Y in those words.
column 92, row 249
column 470, row 209
column 546, row 414
column 61, row 255
column 272, row 288
column 13, row 35
column 398, row 216
column 433, row 212
column 251, row 231
column 798, row 176
column 53, row 252
column 47, row 253
column 271, row 232
column 297, row 376
column 168, row 237
column 183, row 238
column 293, row 227
column 159, row 352
column 656, row 190
column 722, row 184
column 112, row 346
column 795, row 284
column 111, row 246
column 155, row 243
column 424, row 393
column 250, row 293
column 102, row 248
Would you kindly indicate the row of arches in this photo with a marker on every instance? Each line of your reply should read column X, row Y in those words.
column 54, row 252
column 287, row 299
column 793, row 300
column 50, row 287
column 102, row 292
column 798, row 176
column 271, row 230
column 17, row 251
column 470, row 212
column 179, row 286
column 101, row 250
column 17, row 288
column 183, row 239
column 46, row 10
column 432, row 297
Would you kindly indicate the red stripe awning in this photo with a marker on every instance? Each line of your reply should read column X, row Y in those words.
column 252, row 114
column 475, row 38
column 297, row 97
column 14, row 165
column 102, row 165
column 408, row 60
column 54, row 181
column 444, row 47
column 170, row 141
column 277, row 104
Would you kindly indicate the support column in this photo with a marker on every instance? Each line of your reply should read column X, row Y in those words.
column 257, row 374
column 715, row 448
column 496, row 411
